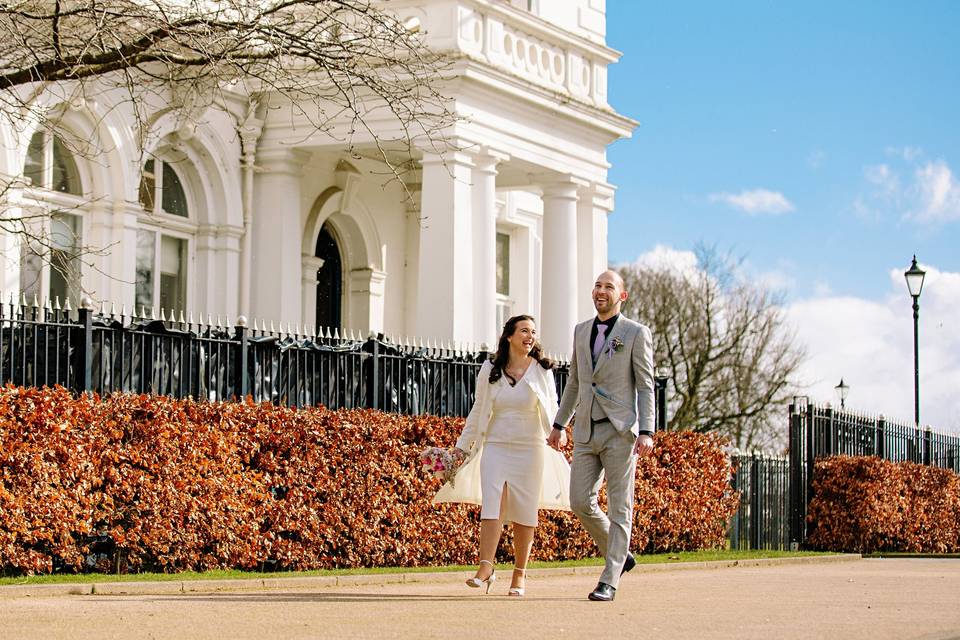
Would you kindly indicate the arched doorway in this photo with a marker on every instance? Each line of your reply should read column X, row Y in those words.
column 329, row 281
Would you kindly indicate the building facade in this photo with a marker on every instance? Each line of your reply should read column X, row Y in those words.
column 254, row 212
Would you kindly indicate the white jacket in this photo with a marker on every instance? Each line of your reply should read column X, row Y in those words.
column 555, row 491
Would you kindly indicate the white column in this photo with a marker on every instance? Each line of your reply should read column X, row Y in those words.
column 366, row 300
column 596, row 202
column 485, row 250
column 276, row 269
column 411, row 258
column 445, row 287
column 123, row 255
column 308, row 297
column 559, row 295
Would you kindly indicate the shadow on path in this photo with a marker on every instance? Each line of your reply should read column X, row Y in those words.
column 332, row 597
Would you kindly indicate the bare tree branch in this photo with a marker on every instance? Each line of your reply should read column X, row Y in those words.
column 728, row 351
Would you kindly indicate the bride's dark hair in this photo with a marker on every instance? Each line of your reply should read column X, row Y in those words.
column 502, row 356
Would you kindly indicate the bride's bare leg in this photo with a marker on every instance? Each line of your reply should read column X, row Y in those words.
column 522, row 545
column 490, row 531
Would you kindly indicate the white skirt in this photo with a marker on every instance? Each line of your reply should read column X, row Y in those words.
column 470, row 485
column 519, row 468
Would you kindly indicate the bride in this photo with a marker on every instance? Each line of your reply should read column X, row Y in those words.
column 510, row 470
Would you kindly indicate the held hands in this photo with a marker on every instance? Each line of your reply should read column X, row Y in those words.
column 643, row 446
column 557, row 438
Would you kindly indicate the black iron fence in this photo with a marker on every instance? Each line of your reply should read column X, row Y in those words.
column 103, row 352
column 819, row 431
column 761, row 519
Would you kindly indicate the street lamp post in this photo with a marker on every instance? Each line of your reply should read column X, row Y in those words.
column 914, row 276
column 842, row 389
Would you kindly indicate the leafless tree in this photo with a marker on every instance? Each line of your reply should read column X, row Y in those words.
column 328, row 57
column 341, row 65
column 724, row 345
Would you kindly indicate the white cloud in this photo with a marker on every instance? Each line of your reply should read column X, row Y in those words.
column 938, row 193
column 755, row 201
column 930, row 194
column 869, row 343
column 884, row 177
column 663, row 257
column 908, row 153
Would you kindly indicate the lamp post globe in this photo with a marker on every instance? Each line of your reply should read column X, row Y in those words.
column 842, row 389
column 914, row 277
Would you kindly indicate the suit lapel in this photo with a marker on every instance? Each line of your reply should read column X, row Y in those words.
column 583, row 353
column 619, row 331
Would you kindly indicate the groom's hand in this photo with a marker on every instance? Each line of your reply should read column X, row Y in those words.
column 557, row 438
column 643, row 446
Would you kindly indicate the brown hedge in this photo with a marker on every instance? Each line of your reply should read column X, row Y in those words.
column 865, row 504
column 130, row 483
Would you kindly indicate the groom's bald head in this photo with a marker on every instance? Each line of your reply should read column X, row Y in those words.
column 609, row 293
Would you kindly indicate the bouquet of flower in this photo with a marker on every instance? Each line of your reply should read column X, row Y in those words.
column 442, row 463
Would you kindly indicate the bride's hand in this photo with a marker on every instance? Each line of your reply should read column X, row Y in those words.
column 557, row 438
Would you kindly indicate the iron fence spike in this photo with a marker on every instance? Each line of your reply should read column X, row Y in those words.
column 36, row 303
column 56, row 303
column 182, row 321
column 163, row 315
column 153, row 313
column 66, row 305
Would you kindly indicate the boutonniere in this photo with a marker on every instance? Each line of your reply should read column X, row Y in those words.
column 615, row 346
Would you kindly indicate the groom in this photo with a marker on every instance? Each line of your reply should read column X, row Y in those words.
column 611, row 388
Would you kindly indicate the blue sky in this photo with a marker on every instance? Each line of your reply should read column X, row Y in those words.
column 821, row 143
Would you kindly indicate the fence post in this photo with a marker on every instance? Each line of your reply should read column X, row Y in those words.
column 811, row 458
column 85, row 314
column 242, row 376
column 796, row 475
column 754, row 502
column 881, row 444
column 375, row 371
column 927, row 446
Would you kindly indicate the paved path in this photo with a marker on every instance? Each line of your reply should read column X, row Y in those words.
column 870, row 599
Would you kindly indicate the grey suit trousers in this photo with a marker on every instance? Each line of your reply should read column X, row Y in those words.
column 610, row 453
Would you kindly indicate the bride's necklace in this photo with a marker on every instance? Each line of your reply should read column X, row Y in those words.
column 515, row 374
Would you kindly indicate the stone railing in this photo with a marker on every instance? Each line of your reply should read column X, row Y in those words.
column 515, row 41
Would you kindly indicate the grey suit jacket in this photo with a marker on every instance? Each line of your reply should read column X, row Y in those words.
column 621, row 382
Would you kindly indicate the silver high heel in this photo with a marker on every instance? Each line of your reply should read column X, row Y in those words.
column 476, row 583
column 518, row 591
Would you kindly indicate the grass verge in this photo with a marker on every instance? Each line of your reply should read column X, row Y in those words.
column 682, row 556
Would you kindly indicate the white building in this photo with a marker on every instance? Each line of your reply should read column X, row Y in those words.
column 298, row 232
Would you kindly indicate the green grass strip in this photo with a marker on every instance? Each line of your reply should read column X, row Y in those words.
column 682, row 556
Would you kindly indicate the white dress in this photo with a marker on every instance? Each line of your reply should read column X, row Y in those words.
column 513, row 456
column 520, row 456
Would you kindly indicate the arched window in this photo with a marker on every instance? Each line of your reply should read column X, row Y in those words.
column 162, row 186
column 329, row 281
column 50, row 165
column 163, row 243
column 50, row 260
